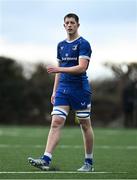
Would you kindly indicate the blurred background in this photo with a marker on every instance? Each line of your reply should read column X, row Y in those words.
column 29, row 33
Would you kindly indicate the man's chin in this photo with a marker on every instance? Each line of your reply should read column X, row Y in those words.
column 70, row 33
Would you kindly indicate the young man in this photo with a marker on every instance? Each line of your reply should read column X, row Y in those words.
column 71, row 90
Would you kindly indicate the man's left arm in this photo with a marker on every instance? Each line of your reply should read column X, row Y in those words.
column 78, row 69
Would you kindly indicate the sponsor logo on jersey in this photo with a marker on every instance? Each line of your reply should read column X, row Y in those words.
column 69, row 58
column 74, row 48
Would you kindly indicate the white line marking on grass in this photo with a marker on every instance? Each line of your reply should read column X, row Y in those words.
column 20, row 146
column 60, row 172
column 3, row 133
column 69, row 146
column 99, row 147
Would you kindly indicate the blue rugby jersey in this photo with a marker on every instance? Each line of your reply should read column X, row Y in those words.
column 68, row 54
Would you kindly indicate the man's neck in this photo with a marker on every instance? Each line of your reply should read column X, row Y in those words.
column 72, row 37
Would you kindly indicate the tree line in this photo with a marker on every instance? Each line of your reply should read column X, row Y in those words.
column 26, row 100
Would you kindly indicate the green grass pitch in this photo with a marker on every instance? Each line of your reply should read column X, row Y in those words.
column 115, row 153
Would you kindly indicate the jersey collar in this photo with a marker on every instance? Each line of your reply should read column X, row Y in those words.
column 72, row 40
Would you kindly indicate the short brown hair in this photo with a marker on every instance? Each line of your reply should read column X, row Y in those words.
column 72, row 15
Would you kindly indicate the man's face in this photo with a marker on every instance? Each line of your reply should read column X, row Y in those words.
column 71, row 25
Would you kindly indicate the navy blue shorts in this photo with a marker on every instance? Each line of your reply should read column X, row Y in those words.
column 76, row 100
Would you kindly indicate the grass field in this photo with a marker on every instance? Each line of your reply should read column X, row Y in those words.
column 115, row 154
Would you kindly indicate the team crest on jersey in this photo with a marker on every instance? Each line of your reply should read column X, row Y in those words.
column 74, row 48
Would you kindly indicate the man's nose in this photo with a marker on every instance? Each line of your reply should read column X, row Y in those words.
column 69, row 24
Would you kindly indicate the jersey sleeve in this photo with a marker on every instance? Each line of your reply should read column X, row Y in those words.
column 58, row 53
column 85, row 50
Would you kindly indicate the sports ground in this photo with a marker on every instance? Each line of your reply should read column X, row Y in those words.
column 115, row 153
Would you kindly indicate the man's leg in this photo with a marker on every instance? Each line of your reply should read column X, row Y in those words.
column 54, row 133
column 88, row 139
column 58, row 118
column 88, row 136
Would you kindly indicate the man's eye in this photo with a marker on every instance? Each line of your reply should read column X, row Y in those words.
column 69, row 23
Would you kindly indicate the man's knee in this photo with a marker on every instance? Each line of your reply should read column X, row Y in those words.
column 59, row 115
column 84, row 118
column 85, row 124
column 57, row 122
